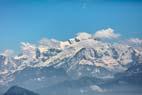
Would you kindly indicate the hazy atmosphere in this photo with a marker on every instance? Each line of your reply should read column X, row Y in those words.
column 70, row 47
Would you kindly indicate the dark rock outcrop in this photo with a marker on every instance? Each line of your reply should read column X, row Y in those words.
column 15, row 90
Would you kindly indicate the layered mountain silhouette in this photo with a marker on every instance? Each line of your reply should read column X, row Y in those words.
column 15, row 90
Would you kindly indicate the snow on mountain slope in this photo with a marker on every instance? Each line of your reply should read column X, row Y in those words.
column 93, row 58
column 7, row 66
column 79, row 57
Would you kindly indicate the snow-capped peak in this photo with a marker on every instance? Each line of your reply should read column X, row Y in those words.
column 81, row 56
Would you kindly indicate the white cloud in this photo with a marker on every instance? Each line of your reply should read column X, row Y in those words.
column 28, row 50
column 97, row 88
column 8, row 52
column 83, row 36
column 26, row 47
column 106, row 33
column 135, row 40
column 49, row 43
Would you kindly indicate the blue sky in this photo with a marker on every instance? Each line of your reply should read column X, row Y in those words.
column 31, row 20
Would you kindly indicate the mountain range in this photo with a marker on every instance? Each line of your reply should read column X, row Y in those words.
column 81, row 65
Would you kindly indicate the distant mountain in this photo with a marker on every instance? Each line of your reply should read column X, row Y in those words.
column 82, row 63
column 15, row 90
